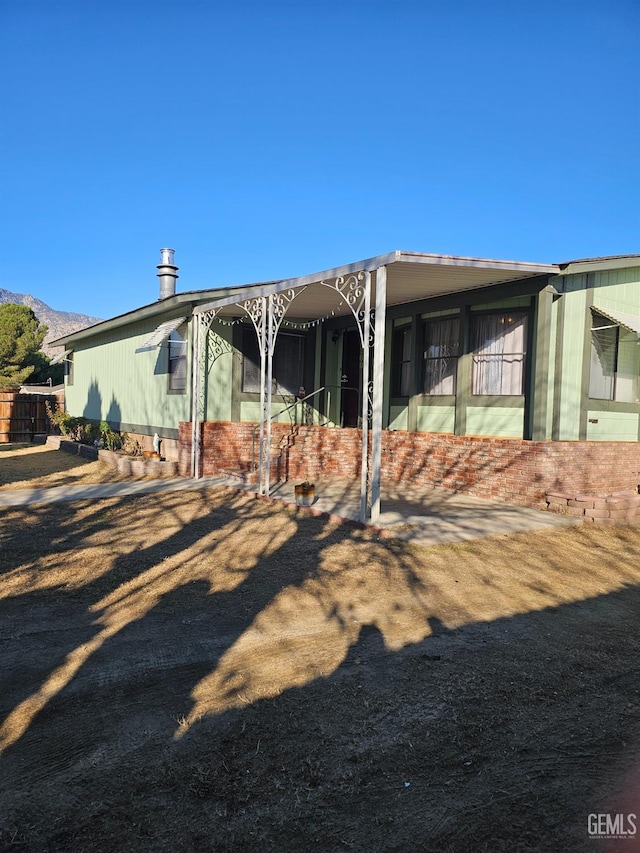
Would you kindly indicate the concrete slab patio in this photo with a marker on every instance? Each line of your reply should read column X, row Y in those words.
column 426, row 516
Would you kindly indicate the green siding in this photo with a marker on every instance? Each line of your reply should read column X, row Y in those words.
column 613, row 290
column 612, row 426
column 219, row 383
column 552, row 366
column 436, row 418
column 398, row 417
column 112, row 382
column 496, row 420
column 618, row 290
column 575, row 309
column 628, row 367
column 250, row 411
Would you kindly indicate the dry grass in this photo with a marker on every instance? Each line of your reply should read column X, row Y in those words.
column 38, row 466
column 205, row 671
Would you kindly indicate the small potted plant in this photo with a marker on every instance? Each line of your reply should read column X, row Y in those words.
column 305, row 493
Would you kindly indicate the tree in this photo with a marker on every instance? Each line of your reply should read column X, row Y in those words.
column 21, row 337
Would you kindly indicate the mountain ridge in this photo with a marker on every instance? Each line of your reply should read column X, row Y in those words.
column 59, row 322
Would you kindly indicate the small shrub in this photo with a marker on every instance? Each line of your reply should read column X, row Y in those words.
column 111, row 439
column 58, row 418
column 84, row 430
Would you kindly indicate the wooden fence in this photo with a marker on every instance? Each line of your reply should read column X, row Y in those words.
column 24, row 415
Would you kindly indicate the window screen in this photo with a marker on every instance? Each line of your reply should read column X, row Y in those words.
column 288, row 363
column 178, row 361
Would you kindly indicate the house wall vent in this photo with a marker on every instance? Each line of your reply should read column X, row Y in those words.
column 168, row 273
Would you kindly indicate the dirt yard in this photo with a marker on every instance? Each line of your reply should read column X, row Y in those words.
column 31, row 466
column 208, row 672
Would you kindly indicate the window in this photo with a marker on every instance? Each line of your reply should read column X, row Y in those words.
column 499, row 349
column 401, row 361
column 68, row 368
column 441, row 346
column 178, row 361
column 288, row 363
column 614, row 361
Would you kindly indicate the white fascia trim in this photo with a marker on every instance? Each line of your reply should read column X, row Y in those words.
column 476, row 263
column 573, row 268
column 256, row 291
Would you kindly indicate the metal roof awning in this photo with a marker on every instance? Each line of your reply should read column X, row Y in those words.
column 630, row 322
column 411, row 276
column 161, row 334
column 61, row 356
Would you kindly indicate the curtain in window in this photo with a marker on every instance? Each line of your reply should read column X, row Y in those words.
column 498, row 353
column 441, row 348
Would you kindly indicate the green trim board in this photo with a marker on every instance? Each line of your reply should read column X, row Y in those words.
column 538, row 373
column 505, row 304
column 586, row 361
column 140, row 429
column 571, row 375
column 557, row 369
column 463, row 374
column 489, row 295
column 553, row 341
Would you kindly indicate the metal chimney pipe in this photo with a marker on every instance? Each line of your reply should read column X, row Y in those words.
column 168, row 273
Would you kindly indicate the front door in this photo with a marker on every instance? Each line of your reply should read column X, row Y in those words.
column 351, row 378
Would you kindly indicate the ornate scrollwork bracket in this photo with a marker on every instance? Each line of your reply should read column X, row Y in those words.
column 352, row 290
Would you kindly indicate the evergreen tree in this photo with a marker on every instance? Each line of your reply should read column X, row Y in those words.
column 21, row 337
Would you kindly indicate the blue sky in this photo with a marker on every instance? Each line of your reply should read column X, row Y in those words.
column 271, row 139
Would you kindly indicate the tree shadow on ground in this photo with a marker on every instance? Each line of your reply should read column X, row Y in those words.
column 47, row 466
column 239, row 678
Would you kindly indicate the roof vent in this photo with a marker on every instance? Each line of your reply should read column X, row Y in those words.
column 168, row 274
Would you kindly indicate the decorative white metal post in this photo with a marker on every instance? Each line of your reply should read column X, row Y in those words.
column 201, row 323
column 266, row 314
column 366, row 349
column 195, row 395
column 355, row 290
column 378, row 386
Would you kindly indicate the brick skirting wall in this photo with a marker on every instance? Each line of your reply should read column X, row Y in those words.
column 504, row 469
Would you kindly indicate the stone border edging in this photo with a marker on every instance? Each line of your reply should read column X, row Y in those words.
column 123, row 464
column 618, row 508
